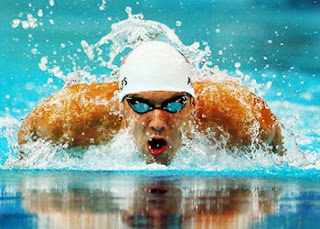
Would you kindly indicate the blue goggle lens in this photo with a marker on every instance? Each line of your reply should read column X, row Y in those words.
column 174, row 107
column 142, row 107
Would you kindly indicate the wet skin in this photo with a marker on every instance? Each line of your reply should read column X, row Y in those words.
column 158, row 124
column 88, row 114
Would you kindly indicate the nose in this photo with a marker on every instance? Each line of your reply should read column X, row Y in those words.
column 157, row 122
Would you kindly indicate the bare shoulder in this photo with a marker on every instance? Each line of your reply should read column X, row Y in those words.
column 72, row 115
column 87, row 114
column 232, row 111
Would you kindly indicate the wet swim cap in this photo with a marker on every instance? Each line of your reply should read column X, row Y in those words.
column 154, row 66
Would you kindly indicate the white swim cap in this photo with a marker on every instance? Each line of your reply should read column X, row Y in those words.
column 155, row 66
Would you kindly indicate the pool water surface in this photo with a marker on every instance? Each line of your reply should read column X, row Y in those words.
column 270, row 46
column 62, row 199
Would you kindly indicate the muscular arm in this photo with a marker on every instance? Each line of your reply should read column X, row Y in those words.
column 82, row 115
column 231, row 111
column 79, row 115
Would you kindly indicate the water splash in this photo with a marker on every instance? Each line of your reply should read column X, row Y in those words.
column 130, row 33
column 196, row 154
column 8, row 135
column 31, row 22
column 103, row 5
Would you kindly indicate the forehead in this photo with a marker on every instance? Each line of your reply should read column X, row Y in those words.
column 157, row 96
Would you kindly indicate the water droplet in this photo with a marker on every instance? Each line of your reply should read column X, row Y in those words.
column 40, row 13
column 15, row 23
column 128, row 10
column 25, row 24
column 103, row 5
column 51, row 2
column 34, row 51
column 237, row 65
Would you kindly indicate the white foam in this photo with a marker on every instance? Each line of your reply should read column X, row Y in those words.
column 197, row 154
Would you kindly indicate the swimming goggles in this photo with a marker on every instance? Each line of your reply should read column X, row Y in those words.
column 172, row 105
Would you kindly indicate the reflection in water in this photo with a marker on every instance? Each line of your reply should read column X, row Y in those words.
column 81, row 200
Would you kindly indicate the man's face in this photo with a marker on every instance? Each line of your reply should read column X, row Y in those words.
column 158, row 132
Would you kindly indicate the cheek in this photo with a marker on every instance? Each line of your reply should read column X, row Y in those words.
column 138, row 127
column 180, row 122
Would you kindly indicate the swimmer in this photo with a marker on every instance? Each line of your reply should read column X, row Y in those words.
column 157, row 101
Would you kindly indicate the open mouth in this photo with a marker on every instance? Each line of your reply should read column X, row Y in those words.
column 157, row 190
column 157, row 146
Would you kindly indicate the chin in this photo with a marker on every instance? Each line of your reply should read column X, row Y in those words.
column 164, row 159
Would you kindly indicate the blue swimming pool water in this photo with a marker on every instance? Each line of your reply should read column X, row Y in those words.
column 276, row 44
column 271, row 41
column 51, row 199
